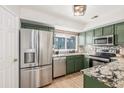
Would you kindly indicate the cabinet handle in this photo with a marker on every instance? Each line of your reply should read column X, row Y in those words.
column 15, row 60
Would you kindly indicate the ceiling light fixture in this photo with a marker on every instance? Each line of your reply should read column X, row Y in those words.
column 79, row 10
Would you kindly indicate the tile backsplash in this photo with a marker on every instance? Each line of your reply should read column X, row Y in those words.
column 107, row 49
column 90, row 49
column 87, row 49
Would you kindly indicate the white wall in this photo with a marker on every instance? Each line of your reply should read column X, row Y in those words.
column 14, row 8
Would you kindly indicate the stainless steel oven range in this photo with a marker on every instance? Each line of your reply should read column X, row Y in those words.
column 101, row 58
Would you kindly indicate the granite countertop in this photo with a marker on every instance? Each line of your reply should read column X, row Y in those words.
column 111, row 74
column 69, row 54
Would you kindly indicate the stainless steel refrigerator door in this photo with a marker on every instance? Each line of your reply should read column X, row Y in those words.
column 45, row 47
column 28, row 48
column 46, row 75
column 36, row 77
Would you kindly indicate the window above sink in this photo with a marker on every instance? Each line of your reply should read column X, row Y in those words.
column 65, row 42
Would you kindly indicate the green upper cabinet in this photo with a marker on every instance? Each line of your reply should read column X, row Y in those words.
column 82, row 38
column 108, row 30
column 98, row 32
column 119, row 32
column 104, row 31
column 89, row 37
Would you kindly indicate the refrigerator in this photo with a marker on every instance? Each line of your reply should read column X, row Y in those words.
column 35, row 58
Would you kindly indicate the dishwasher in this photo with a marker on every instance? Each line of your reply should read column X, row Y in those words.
column 59, row 66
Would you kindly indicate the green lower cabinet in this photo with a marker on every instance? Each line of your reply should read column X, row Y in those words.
column 78, row 66
column 79, row 63
column 70, row 66
column 90, row 82
column 86, row 63
column 74, row 63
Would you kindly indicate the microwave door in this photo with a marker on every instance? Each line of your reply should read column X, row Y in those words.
column 103, row 41
column 28, row 48
column 100, row 41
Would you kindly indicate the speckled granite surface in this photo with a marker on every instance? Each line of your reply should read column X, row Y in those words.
column 111, row 74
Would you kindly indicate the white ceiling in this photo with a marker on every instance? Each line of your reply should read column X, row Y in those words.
column 105, row 12
column 67, row 11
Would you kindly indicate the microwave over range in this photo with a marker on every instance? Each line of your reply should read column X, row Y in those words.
column 104, row 40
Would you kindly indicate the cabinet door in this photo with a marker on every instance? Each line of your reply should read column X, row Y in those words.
column 89, row 37
column 119, row 32
column 90, row 82
column 82, row 38
column 86, row 63
column 108, row 30
column 78, row 63
column 69, row 65
column 98, row 32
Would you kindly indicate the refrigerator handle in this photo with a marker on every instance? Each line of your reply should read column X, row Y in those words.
column 37, row 45
column 51, row 46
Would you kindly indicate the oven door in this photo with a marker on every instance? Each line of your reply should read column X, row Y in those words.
column 95, row 63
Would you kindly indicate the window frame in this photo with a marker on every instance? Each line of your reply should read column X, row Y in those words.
column 66, row 36
column 70, row 42
column 59, row 43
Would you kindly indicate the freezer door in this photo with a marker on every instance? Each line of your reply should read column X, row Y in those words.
column 45, row 47
column 30, row 78
column 28, row 48
column 46, row 75
column 36, row 77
